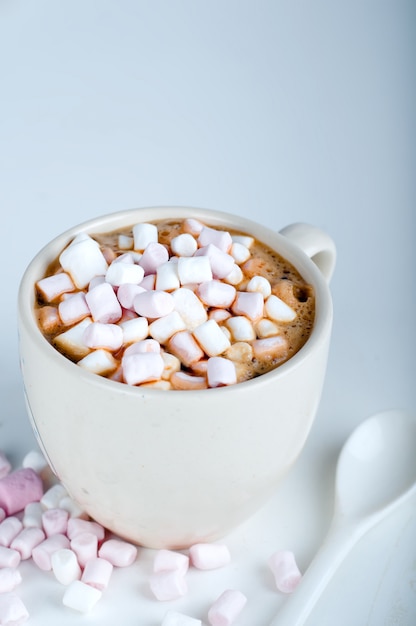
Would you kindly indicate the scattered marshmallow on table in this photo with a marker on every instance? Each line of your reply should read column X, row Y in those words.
column 81, row 597
column 18, row 489
column 285, row 570
column 97, row 573
column 170, row 560
column 207, row 556
column 118, row 552
column 225, row 610
column 12, row 610
column 168, row 585
column 65, row 566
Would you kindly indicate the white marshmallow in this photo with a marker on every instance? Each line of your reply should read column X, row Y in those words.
column 71, row 340
column 54, row 286
column 171, row 364
column 239, row 352
column 9, row 557
column 219, row 238
column 185, row 347
column 9, row 528
column 184, row 245
column 219, row 315
column 266, row 328
column 239, row 252
column 270, row 347
column 10, row 577
column 52, row 496
column 207, row 556
column 235, row 276
column 141, row 368
column 153, row 304
column 285, row 570
column 220, row 372
column 211, row 338
column 99, row 361
column 143, row 234
column 32, row 516
column 216, row 293
column 135, row 329
column 170, row 560
column 126, row 294
column 12, row 610
column 148, row 282
column 164, row 327
column 81, row 597
column 83, row 260
column 221, row 263
column 35, row 460
column 260, row 284
column 174, row 618
column 168, row 585
column 241, row 328
column 125, row 242
column 72, row 507
column 249, row 304
column 103, row 304
column 167, row 276
column 195, row 269
column 65, row 566
column 192, row 226
column 226, row 608
column 244, row 240
column 73, row 309
column 97, row 573
column 120, row 272
column 118, row 552
column 190, row 307
column 26, row 540
column 99, row 335
column 278, row 310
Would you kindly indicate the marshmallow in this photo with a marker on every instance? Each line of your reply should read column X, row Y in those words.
column 250, row 304
column 219, row 238
column 220, row 372
column 235, row 276
column 26, row 541
column 9, row 557
column 73, row 309
column 118, row 552
column 168, row 585
column 77, row 526
column 266, row 328
column 134, row 329
column 184, row 245
column 182, row 380
column 278, row 310
column 48, row 319
column 99, row 335
column 12, row 610
column 221, row 263
column 52, row 496
column 55, row 521
column 140, row 368
column 35, row 460
column 190, row 307
column 219, row 315
column 121, row 272
column 226, row 608
column 241, row 328
column 143, row 235
column 260, row 284
column 207, row 556
column 9, row 528
column 216, row 294
column 149, row 282
column 245, row 240
column 97, row 573
column 142, row 347
column 71, row 341
column 174, row 618
column 192, row 226
column 153, row 304
column 211, row 338
column 99, row 362
column 32, row 516
column 125, row 242
column 167, row 276
column 285, row 570
column 103, row 304
column 126, row 294
column 19, row 488
column 73, row 508
column 154, row 255
column 171, row 364
column 184, row 346
column 170, row 560
column 239, row 352
column 83, row 260
column 81, row 597
column 85, row 546
column 51, row 287
column 270, row 347
column 10, row 577
column 195, row 269
column 42, row 553
column 239, row 252
column 164, row 327
column 65, row 566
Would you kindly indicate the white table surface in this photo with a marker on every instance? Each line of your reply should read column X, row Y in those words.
column 280, row 111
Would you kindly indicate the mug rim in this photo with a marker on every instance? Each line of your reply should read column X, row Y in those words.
column 111, row 221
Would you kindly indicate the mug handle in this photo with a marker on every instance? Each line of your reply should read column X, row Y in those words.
column 315, row 243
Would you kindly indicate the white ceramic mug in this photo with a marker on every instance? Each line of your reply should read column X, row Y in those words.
column 172, row 468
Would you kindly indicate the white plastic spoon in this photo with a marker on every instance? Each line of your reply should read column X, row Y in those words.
column 376, row 472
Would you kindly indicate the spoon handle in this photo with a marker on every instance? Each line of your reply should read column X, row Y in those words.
column 338, row 542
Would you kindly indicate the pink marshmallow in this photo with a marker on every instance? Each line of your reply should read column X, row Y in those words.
column 226, row 608
column 10, row 577
column 153, row 304
column 220, row 372
column 73, row 309
column 250, row 304
column 85, row 546
column 54, row 286
column 42, row 553
column 285, row 570
column 5, row 465
column 154, row 255
column 9, row 557
column 217, row 294
column 141, row 368
column 99, row 335
column 9, row 529
column 221, row 262
column 12, row 610
column 126, row 294
column 55, row 521
column 219, row 238
column 149, row 282
column 170, row 560
column 185, row 347
column 103, row 304
column 209, row 555
column 168, row 585
column 77, row 525
column 97, row 573
column 120, row 553
column 19, row 488
column 26, row 541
